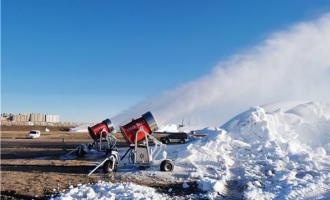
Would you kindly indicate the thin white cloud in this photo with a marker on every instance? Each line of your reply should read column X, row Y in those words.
column 293, row 64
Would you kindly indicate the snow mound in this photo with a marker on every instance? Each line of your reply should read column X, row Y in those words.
column 111, row 191
column 266, row 155
column 307, row 123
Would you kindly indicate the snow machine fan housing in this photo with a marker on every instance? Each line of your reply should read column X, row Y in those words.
column 101, row 129
column 146, row 122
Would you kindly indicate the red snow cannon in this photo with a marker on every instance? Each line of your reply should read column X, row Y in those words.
column 101, row 129
column 147, row 123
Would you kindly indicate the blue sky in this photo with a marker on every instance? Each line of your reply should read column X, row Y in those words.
column 87, row 60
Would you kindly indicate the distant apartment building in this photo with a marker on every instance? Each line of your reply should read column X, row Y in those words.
column 31, row 117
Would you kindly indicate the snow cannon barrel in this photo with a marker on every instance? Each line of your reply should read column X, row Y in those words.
column 146, row 122
column 101, row 129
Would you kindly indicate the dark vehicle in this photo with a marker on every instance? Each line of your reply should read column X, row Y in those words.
column 175, row 138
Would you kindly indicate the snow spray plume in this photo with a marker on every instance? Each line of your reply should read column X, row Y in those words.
column 289, row 65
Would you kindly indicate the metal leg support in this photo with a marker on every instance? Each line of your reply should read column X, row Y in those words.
column 98, row 166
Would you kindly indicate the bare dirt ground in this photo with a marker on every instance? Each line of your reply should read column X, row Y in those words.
column 35, row 168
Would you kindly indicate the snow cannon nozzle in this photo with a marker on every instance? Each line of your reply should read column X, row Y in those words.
column 149, row 118
column 146, row 122
column 101, row 129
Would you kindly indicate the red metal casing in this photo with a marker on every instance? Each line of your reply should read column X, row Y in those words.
column 100, row 129
column 146, row 122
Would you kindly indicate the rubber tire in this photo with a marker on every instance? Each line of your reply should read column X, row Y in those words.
column 182, row 141
column 107, row 166
column 166, row 166
column 163, row 140
column 167, row 141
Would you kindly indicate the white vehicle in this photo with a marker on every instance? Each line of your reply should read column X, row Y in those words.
column 33, row 134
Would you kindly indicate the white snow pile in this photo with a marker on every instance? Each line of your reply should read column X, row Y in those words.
column 111, row 191
column 265, row 155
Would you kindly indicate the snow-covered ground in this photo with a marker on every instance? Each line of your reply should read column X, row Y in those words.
column 277, row 151
column 105, row 190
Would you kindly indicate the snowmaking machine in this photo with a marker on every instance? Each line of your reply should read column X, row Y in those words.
column 102, row 136
column 138, row 134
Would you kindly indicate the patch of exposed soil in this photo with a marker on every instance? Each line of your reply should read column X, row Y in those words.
column 35, row 169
